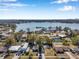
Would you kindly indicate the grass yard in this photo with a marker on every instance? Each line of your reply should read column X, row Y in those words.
column 49, row 52
column 27, row 57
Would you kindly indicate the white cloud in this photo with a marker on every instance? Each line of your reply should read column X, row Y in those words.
column 74, row 0
column 8, row 3
column 3, row 9
column 8, row 0
column 16, row 5
column 67, row 8
column 64, row 1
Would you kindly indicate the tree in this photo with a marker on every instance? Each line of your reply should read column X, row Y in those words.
column 43, row 29
column 60, row 28
column 31, row 38
column 65, row 42
column 40, row 44
column 50, row 28
column 75, row 40
column 13, row 27
column 74, row 34
column 48, row 40
column 17, row 36
column 10, row 41
column 28, row 30
column 66, row 29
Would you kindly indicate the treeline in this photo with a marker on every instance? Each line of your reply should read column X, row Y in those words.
column 38, row 20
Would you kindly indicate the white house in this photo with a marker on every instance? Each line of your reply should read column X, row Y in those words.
column 14, row 48
column 62, row 35
column 25, row 45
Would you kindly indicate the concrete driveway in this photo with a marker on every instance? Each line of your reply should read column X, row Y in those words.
column 70, row 55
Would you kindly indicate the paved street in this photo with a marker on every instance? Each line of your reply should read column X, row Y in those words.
column 15, row 57
column 70, row 55
column 43, row 56
column 1, row 57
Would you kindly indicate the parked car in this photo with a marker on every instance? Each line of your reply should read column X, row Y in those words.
column 66, row 49
column 72, row 50
column 35, row 49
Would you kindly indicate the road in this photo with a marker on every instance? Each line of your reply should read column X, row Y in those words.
column 1, row 57
column 41, row 56
column 15, row 57
column 70, row 55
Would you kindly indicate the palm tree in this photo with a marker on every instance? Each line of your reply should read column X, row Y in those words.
column 66, row 29
column 31, row 38
column 17, row 36
column 28, row 30
column 50, row 28
column 13, row 27
column 40, row 44
column 49, row 42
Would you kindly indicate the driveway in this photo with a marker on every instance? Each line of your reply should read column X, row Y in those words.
column 70, row 55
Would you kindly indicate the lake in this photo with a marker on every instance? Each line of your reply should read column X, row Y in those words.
column 33, row 25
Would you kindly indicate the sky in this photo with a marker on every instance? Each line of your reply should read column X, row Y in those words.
column 39, row 9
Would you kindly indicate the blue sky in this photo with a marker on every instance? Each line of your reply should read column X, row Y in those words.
column 39, row 9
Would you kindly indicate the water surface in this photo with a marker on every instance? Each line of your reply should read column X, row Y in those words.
column 33, row 25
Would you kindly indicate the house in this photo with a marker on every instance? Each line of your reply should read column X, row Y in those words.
column 2, row 37
column 24, row 47
column 66, row 48
column 68, row 39
column 75, row 50
column 24, row 37
column 58, row 50
column 28, row 48
column 62, row 35
column 63, row 32
column 3, row 49
column 57, row 44
column 14, row 48
column 56, row 39
column 37, row 29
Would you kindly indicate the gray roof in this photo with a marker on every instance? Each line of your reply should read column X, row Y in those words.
column 3, row 49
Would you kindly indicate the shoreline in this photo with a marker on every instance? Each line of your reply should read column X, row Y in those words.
column 5, row 21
